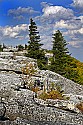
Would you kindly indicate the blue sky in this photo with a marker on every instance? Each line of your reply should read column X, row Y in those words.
column 49, row 15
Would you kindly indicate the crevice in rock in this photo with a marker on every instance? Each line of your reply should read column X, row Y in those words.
column 8, row 70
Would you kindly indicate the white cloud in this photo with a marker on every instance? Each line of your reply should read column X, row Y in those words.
column 58, row 12
column 22, row 10
column 73, row 24
column 45, row 4
column 74, row 44
column 46, row 41
column 80, row 31
column 81, row 19
column 20, row 17
column 45, row 29
column 14, row 32
column 51, row 14
column 77, row 33
column 75, row 37
column 78, row 4
column 64, row 24
column 22, row 27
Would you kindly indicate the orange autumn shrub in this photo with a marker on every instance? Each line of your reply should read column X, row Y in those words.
column 35, row 89
column 80, row 106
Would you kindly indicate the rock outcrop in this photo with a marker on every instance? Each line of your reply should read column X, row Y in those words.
column 21, row 107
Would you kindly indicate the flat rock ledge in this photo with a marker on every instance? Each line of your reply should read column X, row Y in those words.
column 21, row 108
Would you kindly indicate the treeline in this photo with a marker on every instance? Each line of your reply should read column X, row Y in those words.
column 61, row 62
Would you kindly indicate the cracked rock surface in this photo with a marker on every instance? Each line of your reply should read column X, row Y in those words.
column 21, row 108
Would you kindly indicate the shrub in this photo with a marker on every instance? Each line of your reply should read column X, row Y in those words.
column 54, row 94
column 44, row 95
column 80, row 106
column 35, row 89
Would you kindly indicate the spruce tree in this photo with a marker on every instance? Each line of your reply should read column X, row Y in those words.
column 59, row 53
column 34, row 47
column 62, row 62
column 34, row 41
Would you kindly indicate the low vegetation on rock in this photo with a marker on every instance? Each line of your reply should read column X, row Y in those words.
column 54, row 94
column 80, row 106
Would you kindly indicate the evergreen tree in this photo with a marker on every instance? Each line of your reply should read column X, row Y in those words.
column 25, row 47
column 59, row 53
column 34, row 41
column 1, row 49
column 62, row 63
column 20, row 47
column 4, row 46
column 34, row 47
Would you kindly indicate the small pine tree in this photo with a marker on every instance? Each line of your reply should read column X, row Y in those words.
column 20, row 48
column 25, row 47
